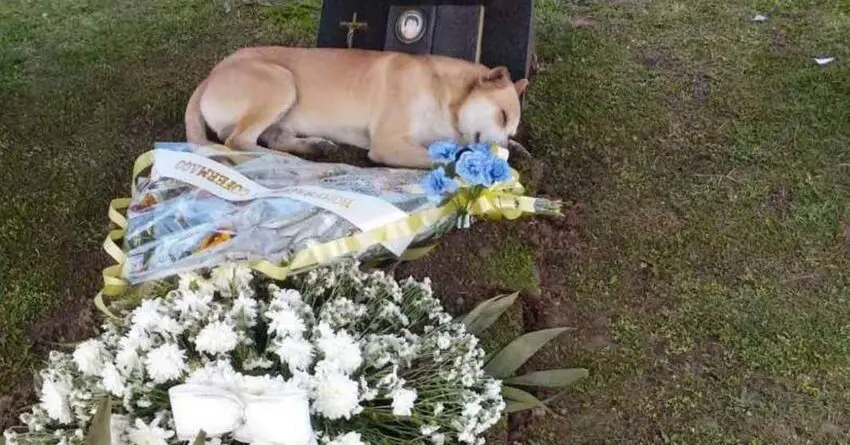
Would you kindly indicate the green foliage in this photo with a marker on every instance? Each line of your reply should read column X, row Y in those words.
column 504, row 363
column 99, row 433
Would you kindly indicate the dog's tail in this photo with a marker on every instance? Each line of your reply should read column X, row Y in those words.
column 196, row 129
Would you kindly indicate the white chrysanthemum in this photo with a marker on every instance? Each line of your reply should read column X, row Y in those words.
column 403, row 400
column 165, row 363
column 340, row 349
column 438, row 439
column 216, row 338
column 286, row 322
column 118, row 426
column 289, row 296
column 88, row 356
column 127, row 359
column 148, row 314
column 54, row 400
column 113, row 381
column 168, row 326
column 350, row 438
column 245, row 309
column 193, row 304
column 336, row 396
column 296, row 353
column 152, row 434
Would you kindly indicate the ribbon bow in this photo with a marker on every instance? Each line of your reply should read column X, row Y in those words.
column 276, row 418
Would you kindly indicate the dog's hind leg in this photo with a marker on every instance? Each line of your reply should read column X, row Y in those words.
column 248, row 97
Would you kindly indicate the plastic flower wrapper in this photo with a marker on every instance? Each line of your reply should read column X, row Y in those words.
column 196, row 207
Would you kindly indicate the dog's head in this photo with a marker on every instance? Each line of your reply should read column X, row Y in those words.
column 491, row 111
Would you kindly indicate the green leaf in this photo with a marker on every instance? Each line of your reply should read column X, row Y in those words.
column 514, row 355
column 519, row 400
column 486, row 313
column 200, row 439
column 553, row 378
column 99, row 433
column 515, row 407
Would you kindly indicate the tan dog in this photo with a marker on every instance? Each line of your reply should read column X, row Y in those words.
column 392, row 104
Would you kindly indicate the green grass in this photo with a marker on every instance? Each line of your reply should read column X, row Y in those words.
column 710, row 157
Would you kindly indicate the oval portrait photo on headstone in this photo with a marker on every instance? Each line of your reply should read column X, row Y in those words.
column 410, row 26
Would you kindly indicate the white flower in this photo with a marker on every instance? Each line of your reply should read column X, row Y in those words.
column 54, row 400
column 351, row 438
column 438, row 409
column 297, row 353
column 429, row 430
column 113, row 381
column 147, row 316
column 444, row 341
column 257, row 363
column 216, row 338
column 165, row 363
column 286, row 322
column 88, row 356
column 245, row 307
column 222, row 277
column 336, row 396
column 168, row 325
column 288, row 296
column 118, row 426
column 127, row 359
column 403, row 401
column 438, row 439
column 340, row 349
column 471, row 409
column 143, row 434
column 193, row 304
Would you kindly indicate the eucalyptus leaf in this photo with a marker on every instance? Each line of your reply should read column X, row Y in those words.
column 519, row 400
column 488, row 312
column 514, row 407
column 99, row 433
column 553, row 378
column 200, row 439
column 518, row 395
column 514, row 355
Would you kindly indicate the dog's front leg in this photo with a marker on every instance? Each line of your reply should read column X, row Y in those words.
column 399, row 152
column 391, row 145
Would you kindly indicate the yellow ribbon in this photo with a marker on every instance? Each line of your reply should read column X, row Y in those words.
column 497, row 202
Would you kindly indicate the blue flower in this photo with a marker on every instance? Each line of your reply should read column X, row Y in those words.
column 500, row 170
column 443, row 151
column 437, row 184
column 481, row 167
column 474, row 166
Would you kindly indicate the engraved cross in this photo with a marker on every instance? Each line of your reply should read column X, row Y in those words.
column 353, row 26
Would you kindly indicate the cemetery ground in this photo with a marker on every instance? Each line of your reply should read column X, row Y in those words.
column 704, row 260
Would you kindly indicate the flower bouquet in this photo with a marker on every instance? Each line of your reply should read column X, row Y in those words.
column 336, row 357
column 196, row 207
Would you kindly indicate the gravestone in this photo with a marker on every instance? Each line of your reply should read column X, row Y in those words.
column 492, row 32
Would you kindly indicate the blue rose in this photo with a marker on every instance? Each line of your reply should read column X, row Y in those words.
column 474, row 166
column 443, row 151
column 437, row 184
column 500, row 170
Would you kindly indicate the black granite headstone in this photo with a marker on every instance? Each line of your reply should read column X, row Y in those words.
column 505, row 34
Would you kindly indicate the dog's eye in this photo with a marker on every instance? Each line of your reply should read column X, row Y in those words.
column 504, row 118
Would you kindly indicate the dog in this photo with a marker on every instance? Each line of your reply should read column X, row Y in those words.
column 392, row 104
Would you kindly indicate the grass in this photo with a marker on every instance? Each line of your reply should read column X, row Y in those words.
column 707, row 276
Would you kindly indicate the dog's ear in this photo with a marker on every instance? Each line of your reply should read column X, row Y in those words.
column 498, row 77
column 521, row 86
